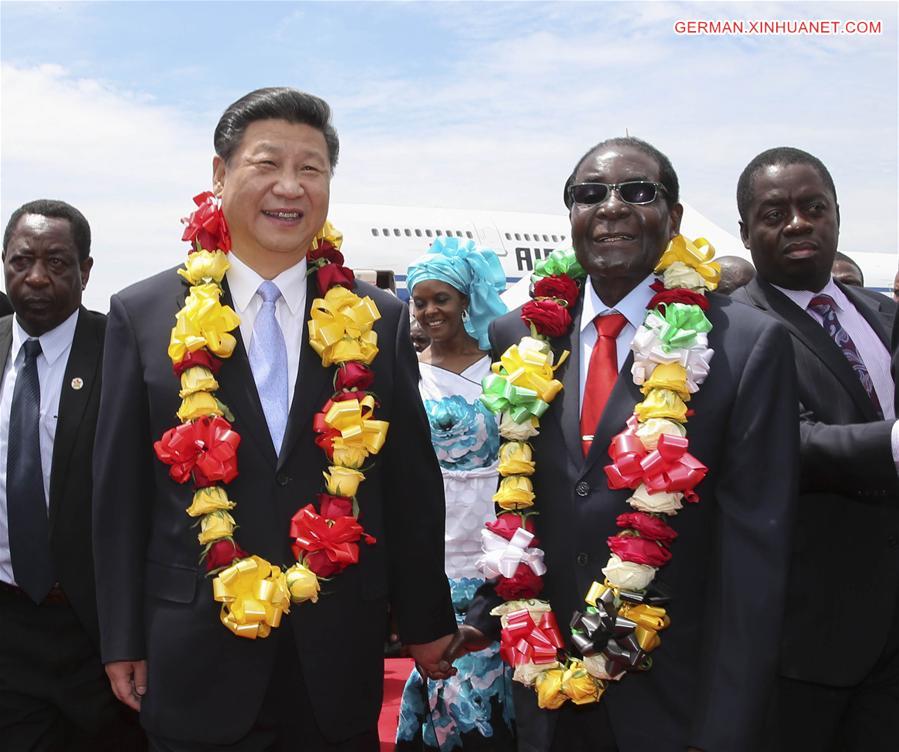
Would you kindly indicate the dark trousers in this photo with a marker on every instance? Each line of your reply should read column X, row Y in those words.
column 54, row 694
column 285, row 722
column 818, row 718
column 571, row 728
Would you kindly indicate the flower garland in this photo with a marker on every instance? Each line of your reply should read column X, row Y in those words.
column 254, row 593
column 619, row 627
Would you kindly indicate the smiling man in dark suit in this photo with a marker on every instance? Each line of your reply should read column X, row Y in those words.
column 53, row 692
column 315, row 682
column 839, row 687
column 710, row 680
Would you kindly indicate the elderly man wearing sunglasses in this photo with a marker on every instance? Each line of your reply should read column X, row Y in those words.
column 710, row 680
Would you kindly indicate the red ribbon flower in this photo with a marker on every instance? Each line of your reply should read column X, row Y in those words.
column 223, row 553
column 200, row 357
column 523, row 641
column 669, row 467
column 506, row 524
column 324, row 254
column 558, row 286
column 639, row 550
column 331, row 275
column 352, row 375
column 205, row 450
column 676, row 295
column 548, row 317
column 648, row 525
column 206, row 227
column 329, row 545
column 523, row 584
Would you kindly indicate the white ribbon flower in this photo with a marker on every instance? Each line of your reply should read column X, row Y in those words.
column 627, row 575
column 502, row 557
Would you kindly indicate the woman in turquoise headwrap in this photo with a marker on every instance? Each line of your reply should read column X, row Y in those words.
column 455, row 291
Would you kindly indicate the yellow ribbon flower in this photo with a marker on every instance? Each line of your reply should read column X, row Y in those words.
column 697, row 254
column 215, row 525
column 302, row 583
column 579, row 686
column 516, row 458
column 210, row 499
column 254, row 597
column 671, row 376
column 342, row 481
column 197, row 379
column 205, row 266
column 329, row 233
column 340, row 327
column 203, row 322
column 529, row 369
column 661, row 403
column 515, row 492
column 198, row 405
column 357, row 430
column 650, row 620
column 549, row 689
column 596, row 590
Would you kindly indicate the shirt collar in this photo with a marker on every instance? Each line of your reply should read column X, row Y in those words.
column 244, row 281
column 802, row 298
column 632, row 306
column 53, row 343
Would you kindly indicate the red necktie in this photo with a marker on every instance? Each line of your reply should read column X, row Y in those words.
column 601, row 375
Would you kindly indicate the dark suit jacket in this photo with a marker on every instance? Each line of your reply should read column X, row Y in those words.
column 847, row 532
column 710, row 678
column 70, row 476
column 155, row 600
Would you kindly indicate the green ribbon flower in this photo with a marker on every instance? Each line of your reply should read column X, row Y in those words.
column 560, row 261
column 499, row 395
column 680, row 325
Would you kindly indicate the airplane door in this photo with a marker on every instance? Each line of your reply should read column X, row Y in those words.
column 488, row 237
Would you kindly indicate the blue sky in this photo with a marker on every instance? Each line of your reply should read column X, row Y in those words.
column 472, row 105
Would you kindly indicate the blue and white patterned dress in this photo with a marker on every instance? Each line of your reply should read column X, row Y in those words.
column 473, row 709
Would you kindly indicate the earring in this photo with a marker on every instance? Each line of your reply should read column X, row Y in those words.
column 465, row 317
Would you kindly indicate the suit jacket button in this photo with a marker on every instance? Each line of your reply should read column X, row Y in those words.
column 582, row 559
column 282, row 479
column 582, row 488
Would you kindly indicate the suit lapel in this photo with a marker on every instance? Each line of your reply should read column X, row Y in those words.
column 568, row 413
column 870, row 312
column 78, row 384
column 239, row 391
column 313, row 387
column 813, row 336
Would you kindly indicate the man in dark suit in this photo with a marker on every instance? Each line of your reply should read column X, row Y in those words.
column 53, row 692
column 839, row 686
column 315, row 682
column 709, row 682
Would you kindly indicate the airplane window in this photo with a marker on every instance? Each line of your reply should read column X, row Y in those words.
column 417, row 233
column 508, row 236
column 449, row 233
column 555, row 239
column 563, row 237
column 468, row 234
column 527, row 237
column 517, row 236
column 546, row 238
column 374, row 231
column 439, row 232
column 429, row 233
column 396, row 232
column 408, row 232
column 459, row 234
column 386, row 232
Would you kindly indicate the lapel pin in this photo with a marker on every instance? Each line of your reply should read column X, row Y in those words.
column 77, row 383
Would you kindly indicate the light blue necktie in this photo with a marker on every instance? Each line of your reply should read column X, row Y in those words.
column 268, row 361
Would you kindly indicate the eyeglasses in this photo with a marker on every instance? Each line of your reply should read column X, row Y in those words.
column 633, row 192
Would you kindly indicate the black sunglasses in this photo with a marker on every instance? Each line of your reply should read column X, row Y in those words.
column 633, row 192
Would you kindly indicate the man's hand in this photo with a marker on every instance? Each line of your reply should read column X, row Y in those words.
column 128, row 680
column 467, row 640
column 430, row 657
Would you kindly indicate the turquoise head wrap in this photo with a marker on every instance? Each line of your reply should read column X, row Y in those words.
column 474, row 272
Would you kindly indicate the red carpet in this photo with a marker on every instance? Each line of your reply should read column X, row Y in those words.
column 396, row 671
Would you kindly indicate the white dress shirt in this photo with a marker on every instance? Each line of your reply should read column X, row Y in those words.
column 870, row 348
column 290, row 309
column 51, row 368
column 632, row 306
